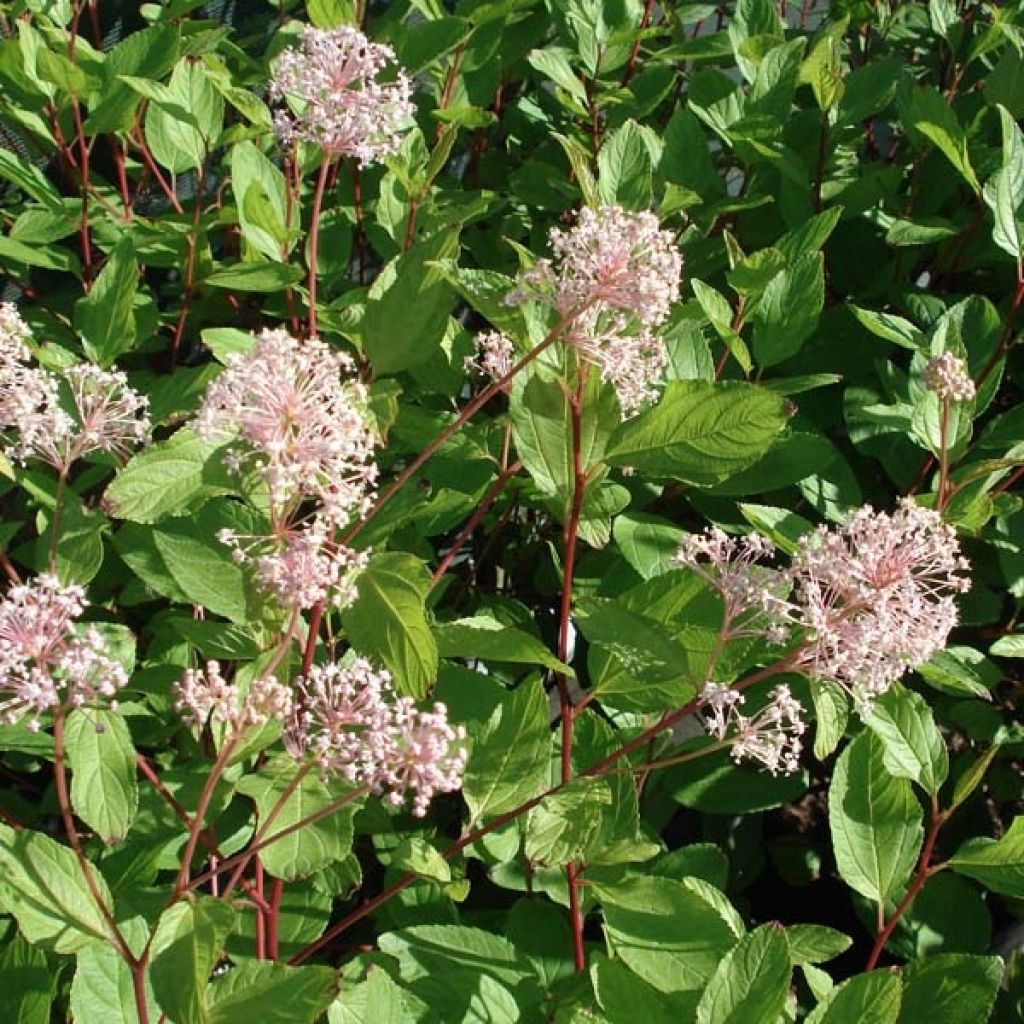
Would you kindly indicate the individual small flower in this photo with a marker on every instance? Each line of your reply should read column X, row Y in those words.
column 946, row 376
column 103, row 414
column 495, row 355
column 350, row 723
column 614, row 277
column 204, row 695
column 734, row 567
column 345, row 108
column 45, row 660
column 771, row 736
column 876, row 597
column 300, row 423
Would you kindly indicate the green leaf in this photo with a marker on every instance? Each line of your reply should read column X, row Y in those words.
column 815, row 944
column 259, row 191
column 170, row 478
column 408, row 304
column 875, row 821
column 1011, row 646
column 186, row 946
column 751, row 982
column 26, row 996
column 388, row 622
column 627, row 998
column 541, row 420
column 102, row 988
column 255, row 277
column 648, row 543
column 554, row 63
column 789, row 310
column 1004, row 191
column 104, row 789
column 952, row 988
column 41, row 885
column 183, row 127
column 625, row 168
column 831, row 713
column 565, row 825
column 914, row 748
column 311, row 848
column 271, row 993
column 106, row 316
column 484, row 637
column 701, row 432
column 928, row 115
column 29, row 179
column 890, row 327
column 511, row 755
column 665, row 931
column 872, row 998
column 997, row 863
column 378, row 1000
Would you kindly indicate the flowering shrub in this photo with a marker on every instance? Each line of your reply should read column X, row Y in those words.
column 510, row 512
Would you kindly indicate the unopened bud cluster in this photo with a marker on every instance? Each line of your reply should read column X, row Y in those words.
column 860, row 604
column 770, row 737
column 614, row 276
column 62, row 417
column 333, row 79
column 46, row 659
column 946, row 376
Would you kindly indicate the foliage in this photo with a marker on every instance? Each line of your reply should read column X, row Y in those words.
column 845, row 190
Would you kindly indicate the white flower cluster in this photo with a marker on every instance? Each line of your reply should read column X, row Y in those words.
column 946, row 375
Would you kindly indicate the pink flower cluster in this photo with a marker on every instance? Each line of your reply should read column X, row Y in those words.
column 343, row 107
column 946, row 375
column 862, row 603
column 204, row 695
column 495, row 355
column 61, row 418
column 300, row 423
column 877, row 597
column 45, row 661
column 771, row 736
column 350, row 723
column 614, row 276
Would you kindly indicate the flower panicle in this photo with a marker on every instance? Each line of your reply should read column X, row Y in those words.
column 947, row 377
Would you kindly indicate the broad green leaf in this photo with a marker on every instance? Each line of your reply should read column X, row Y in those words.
column 554, row 63
column 952, row 988
column 378, row 1000
column 183, row 128
column 872, row 998
column 1010, row 646
column 255, row 277
column 484, row 637
column 29, row 981
column 187, row 945
column 563, row 827
column 648, row 543
column 170, row 478
column 271, row 993
column 510, row 757
column 626, row 998
column 751, row 982
column 789, row 310
column 625, row 168
column 890, row 327
column 831, row 713
column 42, row 886
column 104, row 789
column 875, row 821
column 665, row 931
column 29, row 179
column 815, row 944
column 254, row 178
column 997, row 863
column 106, row 316
column 388, row 622
column 701, row 432
column 1004, row 191
column 408, row 304
column 914, row 748
column 928, row 114
column 311, row 848
column 102, row 988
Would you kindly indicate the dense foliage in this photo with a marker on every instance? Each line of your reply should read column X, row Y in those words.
column 513, row 516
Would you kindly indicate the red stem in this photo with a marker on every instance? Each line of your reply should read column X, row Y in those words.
column 923, row 873
column 276, row 892
column 190, row 267
column 314, row 240
column 631, row 63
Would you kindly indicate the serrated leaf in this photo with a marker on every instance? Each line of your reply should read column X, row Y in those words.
column 751, row 982
column 997, row 863
column 872, row 998
column 914, row 748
